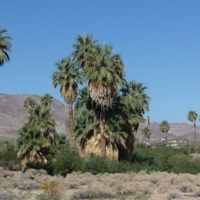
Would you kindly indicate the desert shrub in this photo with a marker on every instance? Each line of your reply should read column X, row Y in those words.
column 162, row 158
column 8, row 156
column 65, row 161
column 47, row 167
column 51, row 187
column 93, row 194
column 174, row 194
column 141, row 197
column 61, row 161
column 50, row 191
column 48, row 196
column 95, row 164
column 98, row 165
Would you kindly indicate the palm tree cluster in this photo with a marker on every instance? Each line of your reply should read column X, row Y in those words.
column 5, row 46
column 37, row 136
column 108, row 110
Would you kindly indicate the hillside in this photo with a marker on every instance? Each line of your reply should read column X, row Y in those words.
column 179, row 131
column 13, row 116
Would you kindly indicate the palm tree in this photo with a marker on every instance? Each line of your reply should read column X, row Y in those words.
column 29, row 103
column 58, row 141
column 5, row 46
column 84, row 50
column 84, row 101
column 146, row 132
column 192, row 117
column 104, row 75
column 135, row 102
column 46, row 100
column 43, row 122
column 67, row 75
column 29, row 145
column 164, row 128
column 85, row 125
column 137, row 93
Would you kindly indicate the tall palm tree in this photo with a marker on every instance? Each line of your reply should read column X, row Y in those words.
column 164, row 128
column 87, row 125
column 104, row 75
column 5, row 46
column 67, row 75
column 192, row 117
column 46, row 100
column 146, row 132
column 84, row 50
column 29, row 103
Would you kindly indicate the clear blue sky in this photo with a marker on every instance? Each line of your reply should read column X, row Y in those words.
column 159, row 41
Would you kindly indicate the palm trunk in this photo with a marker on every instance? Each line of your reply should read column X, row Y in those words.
column 103, row 139
column 148, row 119
column 148, row 142
column 71, row 125
column 95, row 119
column 195, row 137
column 166, row 138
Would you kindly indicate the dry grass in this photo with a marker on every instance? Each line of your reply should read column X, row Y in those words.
column 154, row 186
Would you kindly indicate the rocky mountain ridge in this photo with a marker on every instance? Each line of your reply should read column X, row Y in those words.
column 13, row 115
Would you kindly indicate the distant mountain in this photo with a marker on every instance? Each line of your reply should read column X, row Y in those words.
column 13, row 115
column 179, row 131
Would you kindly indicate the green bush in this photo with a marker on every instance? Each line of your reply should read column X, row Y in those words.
column 8, row 156
column 65, row 161
column 162, row 158
column 157, row 158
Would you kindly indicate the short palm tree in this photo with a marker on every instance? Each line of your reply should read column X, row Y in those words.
column 105, row 74
column 46, row 100
column 29, row 103
column 43, row 122
column 192, row 117
column 164, row 128
column 29, row 145
column 84, row 50
column 135, row 102
column 58, row 142
column 85, row 125
column 146, row 132
column 137, row 93
column 5, row 46
column 84, row 101
column 68, row 77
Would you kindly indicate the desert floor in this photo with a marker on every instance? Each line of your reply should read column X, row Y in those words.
column 36, row 184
